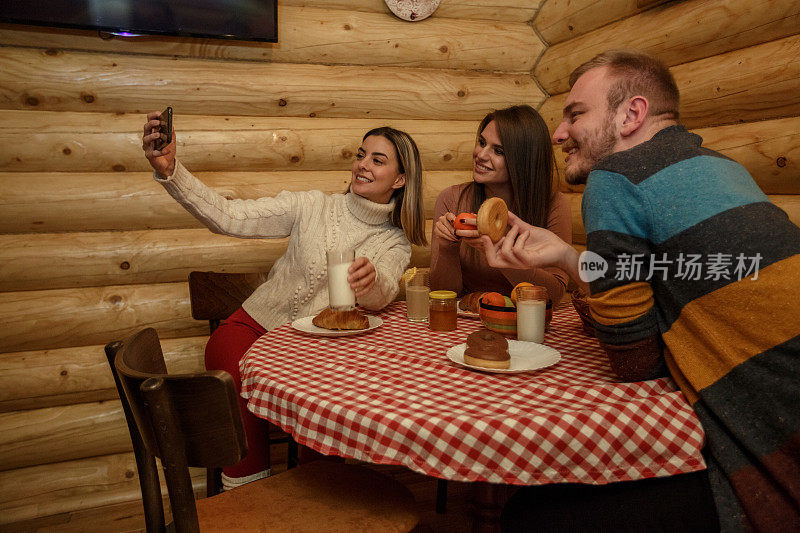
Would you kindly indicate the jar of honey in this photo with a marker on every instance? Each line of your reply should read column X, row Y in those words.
column 443, row 314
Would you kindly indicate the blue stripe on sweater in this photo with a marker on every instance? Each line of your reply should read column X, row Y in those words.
column 678, row 197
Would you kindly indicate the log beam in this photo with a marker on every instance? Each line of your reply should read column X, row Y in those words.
column 316, row 35
column 89, row 142
column 64, row 433
column 561, row 20
column 756, row 83
column 34, row 202
column 57, row 80
column 48, row 378
column 506, row 10
column 49, row 319
column 50, row 490
column 672, row 34
column 71, row 260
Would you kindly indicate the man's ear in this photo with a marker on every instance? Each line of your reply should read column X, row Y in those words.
column 635, row 115
column 399, row 181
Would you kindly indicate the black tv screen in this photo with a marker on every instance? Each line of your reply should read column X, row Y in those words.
column 245, row 20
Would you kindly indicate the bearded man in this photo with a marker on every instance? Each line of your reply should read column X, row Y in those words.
column 701, row 281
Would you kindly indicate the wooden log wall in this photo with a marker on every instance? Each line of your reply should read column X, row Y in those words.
column 737, row 65
column 92, row 249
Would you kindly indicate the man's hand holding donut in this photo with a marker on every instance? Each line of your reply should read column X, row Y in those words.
column 526, row 246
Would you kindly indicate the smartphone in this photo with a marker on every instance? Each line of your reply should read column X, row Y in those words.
column 165, row 129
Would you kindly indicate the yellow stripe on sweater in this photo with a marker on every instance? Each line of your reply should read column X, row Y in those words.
column 621, row 304
column 725, row 328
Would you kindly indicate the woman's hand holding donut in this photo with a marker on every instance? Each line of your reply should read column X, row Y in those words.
column 162, row 161
column 362, row 276
column 525, row 246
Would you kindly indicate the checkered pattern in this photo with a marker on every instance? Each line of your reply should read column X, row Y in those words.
column 392, row 396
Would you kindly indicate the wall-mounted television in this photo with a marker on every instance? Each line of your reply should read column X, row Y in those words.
column 245, row 20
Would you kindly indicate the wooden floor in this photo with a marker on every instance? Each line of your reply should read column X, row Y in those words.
column 455, row 519
column 458, row 508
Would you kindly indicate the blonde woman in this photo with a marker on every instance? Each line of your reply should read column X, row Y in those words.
column 378, row 217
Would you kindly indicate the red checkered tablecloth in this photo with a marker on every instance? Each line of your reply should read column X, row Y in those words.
column 391, row 396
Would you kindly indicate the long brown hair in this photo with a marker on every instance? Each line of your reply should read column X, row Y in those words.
column 408, row 210
column 529, row 160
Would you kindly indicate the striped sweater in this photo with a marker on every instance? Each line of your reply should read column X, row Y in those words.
column 703, row 275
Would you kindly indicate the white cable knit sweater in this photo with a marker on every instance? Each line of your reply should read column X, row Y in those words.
column 315, row 223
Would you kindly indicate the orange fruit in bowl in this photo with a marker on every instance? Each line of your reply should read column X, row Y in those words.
column 514, row 290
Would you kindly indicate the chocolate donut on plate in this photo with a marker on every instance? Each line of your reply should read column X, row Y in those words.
column 487, row 349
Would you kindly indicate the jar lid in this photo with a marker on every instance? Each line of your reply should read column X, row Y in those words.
column 442, row 295
column 532, row 292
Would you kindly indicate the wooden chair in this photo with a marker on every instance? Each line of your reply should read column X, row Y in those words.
column 193, row 420
column 214, row 296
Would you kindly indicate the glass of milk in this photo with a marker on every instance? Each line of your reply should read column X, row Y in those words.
column 531, row 312
column 341, row 296
column 417, row 289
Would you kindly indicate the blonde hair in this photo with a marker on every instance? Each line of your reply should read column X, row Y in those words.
column 636, row 73
column 408, row 212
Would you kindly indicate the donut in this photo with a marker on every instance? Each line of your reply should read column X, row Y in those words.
column 493, row 218
column 487, row 349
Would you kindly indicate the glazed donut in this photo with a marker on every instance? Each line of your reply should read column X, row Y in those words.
column 493, row 218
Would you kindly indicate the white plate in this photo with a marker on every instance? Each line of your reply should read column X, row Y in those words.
column 305, row 325
column 466, row 314
column 525, row 356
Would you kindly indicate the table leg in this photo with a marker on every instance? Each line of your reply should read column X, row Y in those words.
column 487, row 500
column 441, row 496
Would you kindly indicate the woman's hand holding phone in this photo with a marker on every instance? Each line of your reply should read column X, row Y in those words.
column 163, row 160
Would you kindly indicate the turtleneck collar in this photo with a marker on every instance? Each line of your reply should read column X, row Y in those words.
column 368, row 211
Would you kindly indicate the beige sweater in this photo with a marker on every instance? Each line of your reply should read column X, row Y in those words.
column 315, row 223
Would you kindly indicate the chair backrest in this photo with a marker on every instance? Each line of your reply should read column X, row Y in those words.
column 145, row 461
column 214, row 296
column 187, row 420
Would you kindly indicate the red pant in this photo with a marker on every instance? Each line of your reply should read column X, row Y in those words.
column 224, row 350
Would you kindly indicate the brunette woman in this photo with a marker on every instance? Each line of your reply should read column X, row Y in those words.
column 378, row 217
column 513, row 160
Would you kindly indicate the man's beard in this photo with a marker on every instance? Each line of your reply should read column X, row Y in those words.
column 592, row 148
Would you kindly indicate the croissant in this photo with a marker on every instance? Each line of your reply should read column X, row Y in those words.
column 470, row 302
column 330, row 319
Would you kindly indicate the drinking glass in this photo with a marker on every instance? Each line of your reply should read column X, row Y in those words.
column 531, row 312
column 417, row 288
column 341, row 296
